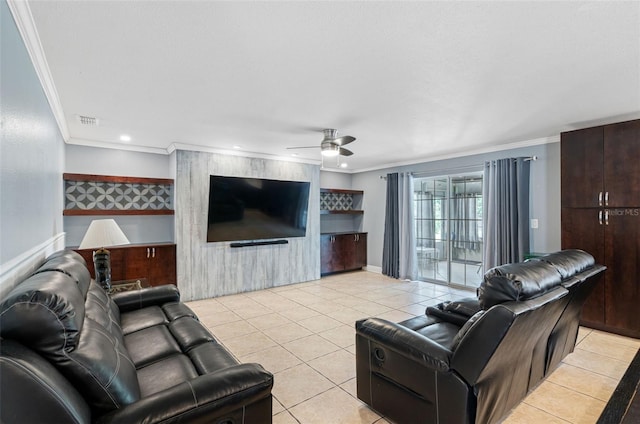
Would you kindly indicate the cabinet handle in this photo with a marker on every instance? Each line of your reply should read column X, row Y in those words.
column 153, row 252
column 606, row 217
column 600, row 217
column 600, row 199
column 606, row 199
column 148, row 252
column 355, row 237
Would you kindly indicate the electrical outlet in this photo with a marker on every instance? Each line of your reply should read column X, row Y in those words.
column 534, row 223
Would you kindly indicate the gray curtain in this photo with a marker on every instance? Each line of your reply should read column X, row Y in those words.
column 391, row 243
column 407, row 238
column 506, row 211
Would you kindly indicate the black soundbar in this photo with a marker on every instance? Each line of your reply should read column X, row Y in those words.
column 258, row 243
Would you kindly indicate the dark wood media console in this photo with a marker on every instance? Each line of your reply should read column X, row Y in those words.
column 154, row 262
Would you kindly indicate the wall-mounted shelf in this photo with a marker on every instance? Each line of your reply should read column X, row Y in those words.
column 88, row 194
column 340, row 201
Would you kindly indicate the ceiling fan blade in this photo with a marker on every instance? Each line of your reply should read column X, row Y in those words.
column 303, row 147
column 346, row 139
column 345, row 152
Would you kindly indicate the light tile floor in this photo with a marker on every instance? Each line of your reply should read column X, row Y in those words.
column 304, row 334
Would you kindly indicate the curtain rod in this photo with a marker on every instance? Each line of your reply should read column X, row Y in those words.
column 527, row 159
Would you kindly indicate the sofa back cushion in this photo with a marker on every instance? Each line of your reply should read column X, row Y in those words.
column 71, row 266
column 519, row 282
column 48, row 313
column 568, row 262
column 45, row 312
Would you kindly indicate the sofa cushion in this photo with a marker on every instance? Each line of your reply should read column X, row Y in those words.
column 45, row 312
column 517, row 282
column 150, row 345
column 166, row 373
column 568, row 262
column 100, row 308
column 70, row 266
column 101, row 369
column 139, row 319
column 189, row 333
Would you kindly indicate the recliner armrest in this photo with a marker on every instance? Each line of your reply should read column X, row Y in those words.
column 149, row 296
column 405, row 341
column 202, row 399
column 456, row 312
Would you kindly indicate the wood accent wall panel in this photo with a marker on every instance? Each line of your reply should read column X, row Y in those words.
column 215, row 269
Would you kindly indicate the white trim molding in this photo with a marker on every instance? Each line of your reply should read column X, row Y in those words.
column 27, row 28
column 13, row 271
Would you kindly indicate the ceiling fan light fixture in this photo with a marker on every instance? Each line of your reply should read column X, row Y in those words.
column 330, row 150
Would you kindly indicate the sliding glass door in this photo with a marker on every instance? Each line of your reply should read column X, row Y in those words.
column 448, row 219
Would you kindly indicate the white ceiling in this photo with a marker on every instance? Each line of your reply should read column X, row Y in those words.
column 410, row 80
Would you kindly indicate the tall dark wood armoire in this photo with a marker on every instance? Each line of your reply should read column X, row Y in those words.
column 600, row 176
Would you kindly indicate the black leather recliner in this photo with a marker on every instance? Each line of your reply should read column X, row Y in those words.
column 70, row 353
column 472, row 361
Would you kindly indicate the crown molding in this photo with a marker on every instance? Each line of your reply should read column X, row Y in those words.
column 27, row 28
column 458, row 154
column 116, row 146
column 244, row 153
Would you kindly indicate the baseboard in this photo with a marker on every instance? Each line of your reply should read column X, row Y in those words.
column 371, row 268
column 16, row 269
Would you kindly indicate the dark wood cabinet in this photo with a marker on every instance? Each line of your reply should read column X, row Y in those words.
column 601, row 214
column 342, row 252
column 154, row 262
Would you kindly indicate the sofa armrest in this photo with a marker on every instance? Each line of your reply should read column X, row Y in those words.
column 202, row 399
column 406, row 342
column 457, row 312
column 149, row 296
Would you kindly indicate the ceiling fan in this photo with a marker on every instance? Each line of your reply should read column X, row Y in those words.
column 331, row 144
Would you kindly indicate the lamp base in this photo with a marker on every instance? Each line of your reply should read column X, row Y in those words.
column 102, row 265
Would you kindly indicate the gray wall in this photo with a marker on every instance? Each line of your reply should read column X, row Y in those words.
column 545, row 194
column 95, row 160
column 31, row 161
column 214, row 269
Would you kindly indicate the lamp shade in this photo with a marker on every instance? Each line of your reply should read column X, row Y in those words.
column 103, row 233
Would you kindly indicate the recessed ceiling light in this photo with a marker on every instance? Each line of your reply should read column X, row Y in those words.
column 125, row 138
column 343, row 165
column 237, row 147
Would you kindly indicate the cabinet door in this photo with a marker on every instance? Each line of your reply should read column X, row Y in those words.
column 162, row 265
column 137, row 262
column 582, row 229
column 361, row 250
column 581, row 173
column 347, row 246
column 330, row 259
column 621, row 159
column 622, row 288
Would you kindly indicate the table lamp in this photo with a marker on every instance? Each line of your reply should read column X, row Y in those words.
column 101, row 233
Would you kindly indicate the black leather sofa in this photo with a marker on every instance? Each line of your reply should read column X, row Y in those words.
column 70, row 353
column 473, row 360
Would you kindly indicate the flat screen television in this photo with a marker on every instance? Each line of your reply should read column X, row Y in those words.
column 256, row 209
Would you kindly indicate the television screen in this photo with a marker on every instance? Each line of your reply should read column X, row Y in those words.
column 255, row 208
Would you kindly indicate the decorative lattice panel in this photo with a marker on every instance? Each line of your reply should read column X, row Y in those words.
column 336, row 201
column 102, row 195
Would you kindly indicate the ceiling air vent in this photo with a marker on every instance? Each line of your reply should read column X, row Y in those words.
column 88, row 120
